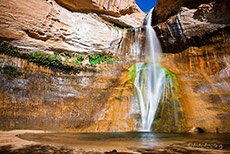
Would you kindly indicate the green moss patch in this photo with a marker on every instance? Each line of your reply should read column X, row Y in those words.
column 100, row 58
column 64, row 61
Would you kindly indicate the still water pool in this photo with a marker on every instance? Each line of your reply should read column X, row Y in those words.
column 131, row 140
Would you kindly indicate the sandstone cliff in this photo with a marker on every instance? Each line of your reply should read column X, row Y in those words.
column 192, row 27
column 44, row 94
column 111, row 7
column 125, row 12
column 35, row 97
column 197, row 33
column 167, row 8
column 194, row 36
column 45, row 25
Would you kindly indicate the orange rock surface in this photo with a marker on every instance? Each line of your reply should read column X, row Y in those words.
column 204, row 81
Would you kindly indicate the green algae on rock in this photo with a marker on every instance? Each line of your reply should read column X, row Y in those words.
column 64, row 60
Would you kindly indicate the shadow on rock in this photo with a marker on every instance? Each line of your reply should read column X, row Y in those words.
column 35, row 149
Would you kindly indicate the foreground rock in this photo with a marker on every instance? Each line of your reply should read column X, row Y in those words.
column 49, row 149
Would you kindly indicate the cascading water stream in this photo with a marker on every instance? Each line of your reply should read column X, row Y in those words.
column 150, row 78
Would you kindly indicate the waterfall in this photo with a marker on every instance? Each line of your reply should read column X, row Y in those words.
column 150, row 77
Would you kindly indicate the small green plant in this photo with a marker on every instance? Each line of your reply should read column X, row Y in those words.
column 56, row 55
column 45, row 59
column 78, row 60
column 109, row 61
column 66, row 54
column 119, row 26
column 66, row 59
column 56, row 60
column 100, row 58
column 94, row 59
column 12, row 71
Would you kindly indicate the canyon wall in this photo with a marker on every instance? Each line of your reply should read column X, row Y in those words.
column 35, row 97
column 36, row 94
column 46, row 26
column 195, row 34
column 44, row 94
column 110, row 7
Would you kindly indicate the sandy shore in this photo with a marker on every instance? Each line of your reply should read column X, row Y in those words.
column 10, row 144
column 10, row 138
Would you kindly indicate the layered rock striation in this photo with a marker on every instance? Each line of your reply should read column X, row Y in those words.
column 36, row 94
column 46, row 26
column 125, row 13
column 167, row 8
column 192, row 27
column 196, row 34
column 203, row 77
column 37, row 97
column 110, row 7
column 195, row 41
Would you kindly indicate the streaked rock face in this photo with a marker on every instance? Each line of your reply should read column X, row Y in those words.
column 199, row 39
column 167, row 8
column 193, row 27
column 203, row 77
column 198, row 36
column 34, row 97
column 44, row 25
column 37, row 98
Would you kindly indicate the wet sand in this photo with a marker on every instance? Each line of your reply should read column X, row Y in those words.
column 10, row 143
